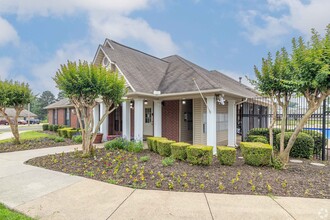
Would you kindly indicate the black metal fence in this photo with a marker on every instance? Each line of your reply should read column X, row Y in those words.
column 257, row 113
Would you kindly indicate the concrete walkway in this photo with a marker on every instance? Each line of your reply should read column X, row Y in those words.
column 48, row 194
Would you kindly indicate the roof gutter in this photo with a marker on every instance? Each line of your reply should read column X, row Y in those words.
column 183, row 93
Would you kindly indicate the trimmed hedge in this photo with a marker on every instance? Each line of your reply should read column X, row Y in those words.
column 199, row 154
column 264, row 132
column 302, row 147
column 179, row 150
column 256, row 154
column 151, row 142
column 226, row 155
column 164, row 147
column 317, row 136
column 257, row 138
column 51, row 127
column 45, row 127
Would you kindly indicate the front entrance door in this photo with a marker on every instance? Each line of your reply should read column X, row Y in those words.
column 148, row 125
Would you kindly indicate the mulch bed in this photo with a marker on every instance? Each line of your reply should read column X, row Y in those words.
column 33, row 144
column 126, row 169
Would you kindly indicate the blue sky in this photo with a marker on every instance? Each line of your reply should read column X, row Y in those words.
column 231, row 36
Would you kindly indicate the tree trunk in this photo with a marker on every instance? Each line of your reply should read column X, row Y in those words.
column 283, row 124
column 13, row 123
column 312, row 107
column 271, row 126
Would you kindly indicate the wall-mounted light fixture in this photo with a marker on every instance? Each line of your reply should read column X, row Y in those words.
column 146, row 102
column 183, row 102
column 73, row 111
column 221, row 99
column 131, row 104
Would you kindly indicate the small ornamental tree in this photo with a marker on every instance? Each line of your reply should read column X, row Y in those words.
column 83, row 83
column 275, row 81
column 14, row 95
column 306, row 72
column 311, row 70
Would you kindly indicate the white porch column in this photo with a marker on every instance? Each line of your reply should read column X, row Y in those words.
column 96, row 115
column 232, row 123
column 138, row 119
column 105, row 124
column 126, row 120
column 211, row 119
column 157, row 118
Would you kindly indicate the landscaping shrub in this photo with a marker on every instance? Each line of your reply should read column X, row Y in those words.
column 179, row 150
column 164, row 147
column 55, row 128
column 117, row 143
column 77, row 139
column 256, row 154
column 122, row 143
column 264, row 132
column 257, row 138
column 59, row 139
column 45, row 127
column 144, row 158
column 51, row 127
column 134, row 146
column 302, row 147
column 168, row 161
column 71, row 132
column 226, row 155
column 152, row 142
column 317, row 136
column 199, row 154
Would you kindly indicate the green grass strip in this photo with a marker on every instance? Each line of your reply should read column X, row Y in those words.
column 8, row 214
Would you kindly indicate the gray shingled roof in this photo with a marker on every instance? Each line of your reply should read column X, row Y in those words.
column 172, row 74
column 24, row 113
column 63, row 103
column 143, row 71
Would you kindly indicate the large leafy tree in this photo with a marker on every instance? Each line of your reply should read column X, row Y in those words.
column 83, row 83
column 15, row 95
column 46, row 98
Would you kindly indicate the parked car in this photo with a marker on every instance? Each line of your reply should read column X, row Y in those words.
column 3, row 122
column 22, row 122
column 34, row 121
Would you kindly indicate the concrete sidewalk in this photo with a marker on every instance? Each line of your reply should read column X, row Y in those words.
column 48, row 194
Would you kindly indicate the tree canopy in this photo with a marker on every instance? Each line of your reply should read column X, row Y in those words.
column 306, row 71
column 83, row 84
column 16, row 95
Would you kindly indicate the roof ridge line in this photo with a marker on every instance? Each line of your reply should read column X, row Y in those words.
column 139, row 51
column 166, row 72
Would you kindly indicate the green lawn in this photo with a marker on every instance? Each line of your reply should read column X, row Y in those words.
column 7, row 214
column 29, row 135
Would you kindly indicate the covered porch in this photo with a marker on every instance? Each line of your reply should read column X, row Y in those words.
column 209, row 121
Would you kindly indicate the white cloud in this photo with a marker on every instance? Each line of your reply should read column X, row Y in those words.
column 300, row 16
column 8, row 33
column 45, row 71
column 106, row 19
column 64, row 7
column 123, row 28
column 270, row 33
column 6, row 65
